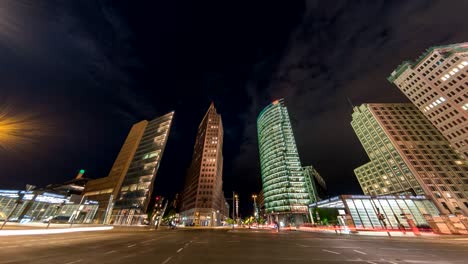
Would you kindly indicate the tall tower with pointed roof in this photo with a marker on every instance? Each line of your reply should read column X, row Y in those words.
column 203, row 200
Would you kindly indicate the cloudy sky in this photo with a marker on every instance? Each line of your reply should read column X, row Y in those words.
column 75, row 75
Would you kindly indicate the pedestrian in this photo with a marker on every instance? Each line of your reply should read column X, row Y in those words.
column 277, row 226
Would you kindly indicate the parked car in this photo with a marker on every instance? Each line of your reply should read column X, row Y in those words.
column 59, row 219
column 24, row 219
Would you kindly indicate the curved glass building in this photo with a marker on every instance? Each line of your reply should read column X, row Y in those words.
column 283, row 178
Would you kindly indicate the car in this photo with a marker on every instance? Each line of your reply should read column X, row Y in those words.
column 59, row 219
column 24, row 219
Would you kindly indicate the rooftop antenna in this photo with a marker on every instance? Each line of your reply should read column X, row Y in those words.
column 350, row 103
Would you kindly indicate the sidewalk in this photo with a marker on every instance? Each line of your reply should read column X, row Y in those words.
column 393, row 233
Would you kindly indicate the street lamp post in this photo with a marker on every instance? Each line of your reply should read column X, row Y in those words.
column 254, row 197
column 237, row 207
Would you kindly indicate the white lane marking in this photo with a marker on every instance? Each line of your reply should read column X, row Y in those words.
column 423, row 261
column 360, row 252
column 313, row 246
column 403, row 249
column 132, row 245
column 11, row 246
column 333, row 252
column 390, row 261
column 180, row 249
column 110, row 252
column 76, row 261
column 371, row 262
column 167, row 260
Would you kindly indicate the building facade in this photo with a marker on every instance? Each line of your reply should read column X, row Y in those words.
column 362, row 211
column 409, row 156
column 437, row 83
column 203, row 202
column 285, row 191
column 317, row 186
column 124, row 194
column 43, row 205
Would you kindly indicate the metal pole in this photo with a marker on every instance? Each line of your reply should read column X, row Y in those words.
column 162, row 215
column 233, row 214
column 78, row 211
column 56, row 211
column 237, row 207
column 108, row 210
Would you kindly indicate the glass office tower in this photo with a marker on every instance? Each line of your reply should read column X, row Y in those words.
column 125, row 193
column 284, row 183
column 137, row 186
column 408, row 156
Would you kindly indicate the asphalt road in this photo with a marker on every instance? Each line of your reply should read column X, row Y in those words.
column 222, row 246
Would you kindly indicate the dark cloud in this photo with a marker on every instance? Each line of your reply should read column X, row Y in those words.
column 58, row 61
column 347, row 49
column 92, row 68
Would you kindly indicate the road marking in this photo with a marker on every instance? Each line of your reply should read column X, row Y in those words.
column 180, row 249
column 307, row 246
column 360, row 252
column 403, row 249
column 132, row 245
column 154, row 239
column 110, row 252
column 371, row 262
column 76, row 261
column 333, row 252
column 422, row 261
column 167, row 260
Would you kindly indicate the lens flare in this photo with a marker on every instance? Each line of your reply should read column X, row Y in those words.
column 18, row 131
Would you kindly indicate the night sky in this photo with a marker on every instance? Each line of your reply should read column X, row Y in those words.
column 77, row 74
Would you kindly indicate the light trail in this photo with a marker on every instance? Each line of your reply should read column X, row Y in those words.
column 52, row 231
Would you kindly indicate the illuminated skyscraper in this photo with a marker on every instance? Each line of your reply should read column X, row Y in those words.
column 129, row 185
column 203, row 201
column 409, row 156
column 286, row 194
column 437, row 84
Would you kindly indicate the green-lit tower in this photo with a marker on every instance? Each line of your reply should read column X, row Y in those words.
column 283, row 179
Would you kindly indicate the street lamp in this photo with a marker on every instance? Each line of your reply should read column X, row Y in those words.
column 236, row 198
column 254, row 197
